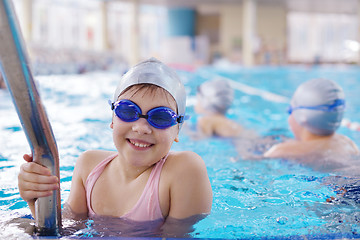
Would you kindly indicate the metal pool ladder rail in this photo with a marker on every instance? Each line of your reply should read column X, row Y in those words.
column 15, row 68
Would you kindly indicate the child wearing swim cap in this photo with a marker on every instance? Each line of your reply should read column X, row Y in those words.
column 213, row 99
column 316, row 111
column 143, row 180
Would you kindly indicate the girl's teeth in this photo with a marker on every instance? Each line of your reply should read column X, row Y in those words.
column 140, row 145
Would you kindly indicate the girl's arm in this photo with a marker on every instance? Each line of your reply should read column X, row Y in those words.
column 76, row 203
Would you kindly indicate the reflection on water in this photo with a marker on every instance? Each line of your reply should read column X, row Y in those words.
column 104, row 226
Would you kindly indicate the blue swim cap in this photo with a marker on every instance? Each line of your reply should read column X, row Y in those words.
column 318, row 105
column 216, row 95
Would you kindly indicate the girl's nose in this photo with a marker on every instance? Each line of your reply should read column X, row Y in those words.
column 142, row 126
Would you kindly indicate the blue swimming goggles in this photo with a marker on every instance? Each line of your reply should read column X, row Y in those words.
column 324, row 107
column 159, row 117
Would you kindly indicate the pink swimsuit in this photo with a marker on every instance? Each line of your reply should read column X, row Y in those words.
column 147, row 207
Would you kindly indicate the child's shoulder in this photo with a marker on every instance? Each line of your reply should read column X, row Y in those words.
column 185, row 170
column 184, row 157
column 346, row 143
column 184, row 161
column 89, row 159
column 95, row 155
column 289, row 148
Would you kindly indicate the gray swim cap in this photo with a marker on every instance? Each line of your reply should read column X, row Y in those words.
column 153, row 71
column 216, row 95
column 315, row 93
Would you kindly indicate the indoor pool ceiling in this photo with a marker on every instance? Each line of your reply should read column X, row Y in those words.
column 325, row 6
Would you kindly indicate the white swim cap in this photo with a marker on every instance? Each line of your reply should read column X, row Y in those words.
column 216, row 95
column 318, row 105
column 153, row 71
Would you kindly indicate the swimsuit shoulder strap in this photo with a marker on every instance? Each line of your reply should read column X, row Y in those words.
column 92, row 178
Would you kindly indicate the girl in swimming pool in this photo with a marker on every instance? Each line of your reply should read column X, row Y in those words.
column 316, row 111
column 143, row 180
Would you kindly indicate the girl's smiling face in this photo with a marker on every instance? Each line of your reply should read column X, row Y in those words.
column 138, row 143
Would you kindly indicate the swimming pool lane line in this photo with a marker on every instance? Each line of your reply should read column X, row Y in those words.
column 355, row 126
column 269, row 96
column 15, row 68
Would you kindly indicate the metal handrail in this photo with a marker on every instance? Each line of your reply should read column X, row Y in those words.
column 16, row 71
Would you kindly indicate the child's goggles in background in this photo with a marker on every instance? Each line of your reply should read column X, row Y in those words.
column 324, row 107
column 159, row 117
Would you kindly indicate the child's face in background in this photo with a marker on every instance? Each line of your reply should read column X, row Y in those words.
column 138, row 142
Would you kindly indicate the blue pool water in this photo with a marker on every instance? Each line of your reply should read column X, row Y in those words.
column 252, row 199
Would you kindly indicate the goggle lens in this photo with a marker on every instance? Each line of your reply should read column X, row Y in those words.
column 127, row 112
column 162, row 117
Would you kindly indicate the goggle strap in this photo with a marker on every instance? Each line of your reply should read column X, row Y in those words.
column 325, row 107
column 111, row 104
column 182, row 118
